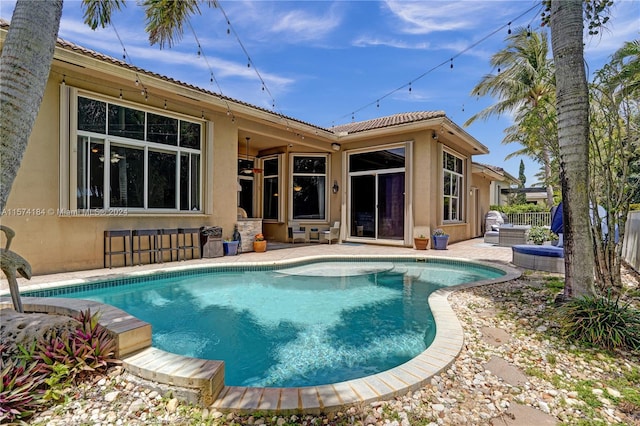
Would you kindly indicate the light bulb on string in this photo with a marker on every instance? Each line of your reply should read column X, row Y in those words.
column 378, row 103
column 120, row 94
column 137, row 81
column 451, row 65
column 64, row 79
column 529, row 30
column 409, row 87
column 165, row 104
column 509, row 30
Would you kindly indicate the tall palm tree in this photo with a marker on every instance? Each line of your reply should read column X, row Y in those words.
column 573, row 137
column 628, row 58
column 524, row 85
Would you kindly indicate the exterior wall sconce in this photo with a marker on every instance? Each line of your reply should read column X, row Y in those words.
column 335, row 146
column 335, row 188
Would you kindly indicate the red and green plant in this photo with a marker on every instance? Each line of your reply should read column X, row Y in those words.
column 41, row 371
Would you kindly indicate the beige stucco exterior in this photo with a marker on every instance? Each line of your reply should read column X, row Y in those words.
column 53, row 236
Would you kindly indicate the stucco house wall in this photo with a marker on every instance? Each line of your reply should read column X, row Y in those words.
column 55, row 236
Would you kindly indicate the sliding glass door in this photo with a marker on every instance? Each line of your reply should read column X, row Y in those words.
column 377, row 194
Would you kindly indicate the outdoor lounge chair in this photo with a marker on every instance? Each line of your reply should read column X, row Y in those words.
column 547, row 258
column 331, row 234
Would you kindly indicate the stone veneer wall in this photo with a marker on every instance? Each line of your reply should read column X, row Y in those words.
column 248, row 229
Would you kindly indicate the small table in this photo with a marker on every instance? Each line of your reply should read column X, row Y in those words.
column 314, row 235
column 513, row 235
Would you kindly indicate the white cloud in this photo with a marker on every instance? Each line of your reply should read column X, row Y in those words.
column 433, row 16
column 368, row 41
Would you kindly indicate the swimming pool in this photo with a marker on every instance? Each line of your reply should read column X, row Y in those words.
column 308, row 324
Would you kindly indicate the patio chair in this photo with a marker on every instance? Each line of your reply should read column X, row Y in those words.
column 331, row 234
column 297, row 233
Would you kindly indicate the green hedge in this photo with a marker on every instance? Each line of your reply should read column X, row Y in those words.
column 519, row 208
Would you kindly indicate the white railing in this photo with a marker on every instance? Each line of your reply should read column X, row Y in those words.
column 532, row 218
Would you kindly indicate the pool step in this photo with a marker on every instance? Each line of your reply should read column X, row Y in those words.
column 204, row 376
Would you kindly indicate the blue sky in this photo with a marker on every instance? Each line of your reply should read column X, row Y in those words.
column 326, row 62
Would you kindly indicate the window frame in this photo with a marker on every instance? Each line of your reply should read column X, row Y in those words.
column 75, row 135
column 291, row 179
column 279, row 188
column 460, row 178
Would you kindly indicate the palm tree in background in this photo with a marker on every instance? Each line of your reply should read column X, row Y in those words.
column 524, row 86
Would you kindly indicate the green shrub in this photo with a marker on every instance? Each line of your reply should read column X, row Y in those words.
column 601, row 321
column 519, row 208
column 634, row 206
column 540, row 234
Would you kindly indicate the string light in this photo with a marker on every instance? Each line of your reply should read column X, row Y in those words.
column 509, row 31
column 64, row 79
column 449, row 61
column 250, row 63
column 165, row 104
column 120, row 94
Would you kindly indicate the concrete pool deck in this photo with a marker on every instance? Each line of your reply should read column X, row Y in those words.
column 207, row 377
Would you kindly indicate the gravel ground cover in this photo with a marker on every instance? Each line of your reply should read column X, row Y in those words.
column 507, row 326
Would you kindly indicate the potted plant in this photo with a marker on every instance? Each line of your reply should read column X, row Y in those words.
column 230, row 247
column 539, row 235
column 440, row 239
column 421, row 242
column 259, row 243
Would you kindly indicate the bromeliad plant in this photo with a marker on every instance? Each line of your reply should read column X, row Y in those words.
column 89, row 348
column 40, row 373
column 20, row 388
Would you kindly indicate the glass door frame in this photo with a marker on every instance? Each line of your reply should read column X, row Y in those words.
column 351, row 234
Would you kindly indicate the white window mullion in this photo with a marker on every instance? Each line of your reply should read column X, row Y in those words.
column 145, row 203
column 107, row 174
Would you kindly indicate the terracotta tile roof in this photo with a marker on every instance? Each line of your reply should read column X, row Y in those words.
column 388, row 121
column 494, row 168
column 67, row 45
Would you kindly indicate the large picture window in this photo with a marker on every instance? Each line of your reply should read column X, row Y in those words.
column 153, row 160
column 453, row 175
column 308, row 189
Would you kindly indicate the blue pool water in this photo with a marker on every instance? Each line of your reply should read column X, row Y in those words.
column 306, row 325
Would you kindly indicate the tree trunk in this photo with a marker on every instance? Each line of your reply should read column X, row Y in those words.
column 26, row 61
column 572, row 100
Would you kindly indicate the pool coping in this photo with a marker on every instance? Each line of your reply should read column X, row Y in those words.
column 206, row 378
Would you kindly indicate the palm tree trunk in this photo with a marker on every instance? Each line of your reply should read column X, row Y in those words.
column 26, row 62
column 573, row 136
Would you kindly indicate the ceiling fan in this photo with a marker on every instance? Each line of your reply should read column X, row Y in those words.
column 249, row 171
